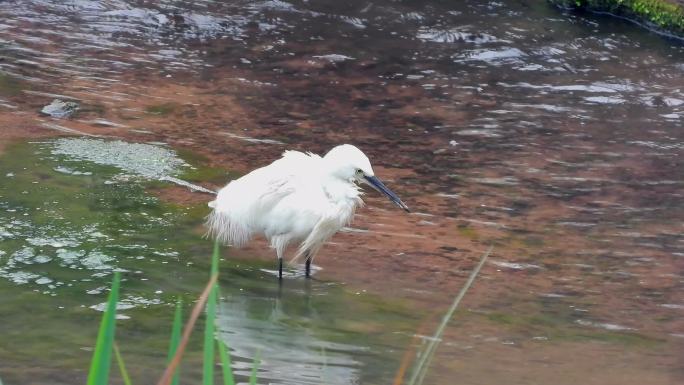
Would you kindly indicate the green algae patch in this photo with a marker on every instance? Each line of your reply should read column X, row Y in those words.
column 63, row 219
column 663, row 15
column 162, row 109
column 10, row 86
column 468, row 232
column 621, row 338
column 66, row 224
column 203, row 171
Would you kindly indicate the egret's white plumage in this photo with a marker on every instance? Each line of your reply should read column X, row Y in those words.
column 300, row 197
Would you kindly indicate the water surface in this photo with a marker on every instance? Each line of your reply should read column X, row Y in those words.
column 556, row 137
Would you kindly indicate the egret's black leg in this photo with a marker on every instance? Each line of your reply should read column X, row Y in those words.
column 280, row 268
column 308, row 265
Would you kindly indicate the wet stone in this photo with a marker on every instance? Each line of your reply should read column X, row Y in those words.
column 60, row 109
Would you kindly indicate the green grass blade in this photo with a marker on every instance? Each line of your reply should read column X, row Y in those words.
column 208, row 372
column 175, row 337
column 209, row 326
column 102, row 356
column 122, row 366
column 255, row 368
column 224, row 353
column 228, row 378
column 422, row 365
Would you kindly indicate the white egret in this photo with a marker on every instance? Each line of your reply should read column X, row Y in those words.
column 300, row 197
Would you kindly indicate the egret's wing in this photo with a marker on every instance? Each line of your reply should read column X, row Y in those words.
column 266, row 186
column 241, row 206
column 285, row 176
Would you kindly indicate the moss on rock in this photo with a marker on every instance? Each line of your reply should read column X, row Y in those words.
column 662, row 15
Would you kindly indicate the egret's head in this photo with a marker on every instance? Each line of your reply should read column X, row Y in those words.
column 351, row 164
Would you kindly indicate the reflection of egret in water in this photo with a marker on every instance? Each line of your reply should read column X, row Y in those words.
column 284, row 332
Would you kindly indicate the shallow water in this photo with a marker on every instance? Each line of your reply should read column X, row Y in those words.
column 64, row 232
column 556, row 137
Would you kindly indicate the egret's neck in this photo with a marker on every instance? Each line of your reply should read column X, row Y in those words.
column 342, row 192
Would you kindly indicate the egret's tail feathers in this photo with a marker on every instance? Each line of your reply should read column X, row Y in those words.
column 226, row 230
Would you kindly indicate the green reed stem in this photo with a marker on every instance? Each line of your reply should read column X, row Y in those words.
column 209, row 326
column 420, row 370
column 122, row 366
column 175, row 337
column 255, row 368
column 228, row 378
column 102, row 356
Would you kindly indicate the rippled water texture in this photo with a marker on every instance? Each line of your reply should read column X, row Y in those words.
column 555, row 137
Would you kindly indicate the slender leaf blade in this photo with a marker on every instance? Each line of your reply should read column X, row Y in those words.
column 228, row 378
column 175, row 337
column 208, row 372
column 102, row 356
column 255, row 368
column 209, row 326
column 420, row 369
column 122, row 366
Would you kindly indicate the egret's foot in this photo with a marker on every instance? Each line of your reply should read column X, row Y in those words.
column 308, row 268
column 293, row 271
column 286, row 274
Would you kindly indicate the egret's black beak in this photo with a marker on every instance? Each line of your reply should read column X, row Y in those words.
column 376, row 184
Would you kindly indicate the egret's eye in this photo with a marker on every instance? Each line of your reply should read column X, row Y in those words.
column 359, row 171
